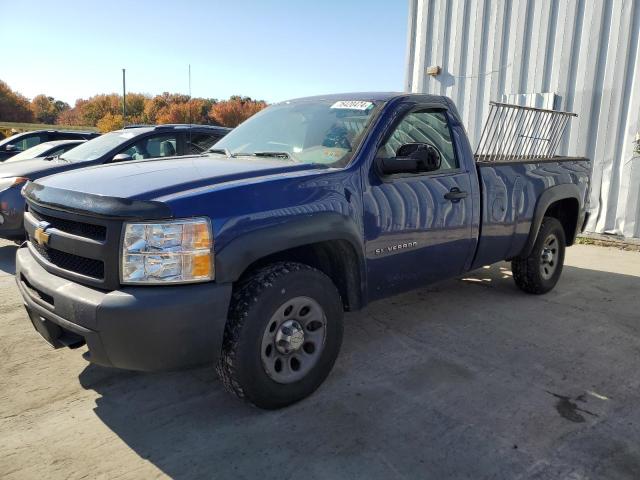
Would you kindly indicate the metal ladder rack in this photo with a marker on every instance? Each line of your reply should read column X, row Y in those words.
column 513, row 133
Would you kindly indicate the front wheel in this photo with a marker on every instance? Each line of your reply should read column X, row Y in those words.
column 283, row 335
column 539, row 272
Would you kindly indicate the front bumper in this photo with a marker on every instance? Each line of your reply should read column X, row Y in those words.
column 135, row 328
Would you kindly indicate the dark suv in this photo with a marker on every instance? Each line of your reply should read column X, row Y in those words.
column 22, row 141
column 132, row 143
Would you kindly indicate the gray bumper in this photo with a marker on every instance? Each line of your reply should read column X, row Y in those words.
column 136, row 328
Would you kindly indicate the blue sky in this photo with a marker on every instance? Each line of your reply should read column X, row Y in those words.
column 271, row 50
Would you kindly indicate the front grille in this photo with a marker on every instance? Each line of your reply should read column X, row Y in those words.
column 73, row 263
column 81, row 247
column 87, row 230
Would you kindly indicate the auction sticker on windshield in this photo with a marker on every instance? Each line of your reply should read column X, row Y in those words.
column 353, row 104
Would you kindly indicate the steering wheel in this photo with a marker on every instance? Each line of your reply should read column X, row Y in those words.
column 337, row 137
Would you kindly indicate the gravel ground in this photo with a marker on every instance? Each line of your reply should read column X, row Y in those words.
column 469, row 378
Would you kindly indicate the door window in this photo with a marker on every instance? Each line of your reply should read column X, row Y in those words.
column 201, row 142
column 423, row 127
column 153, row 147
column 27, row 142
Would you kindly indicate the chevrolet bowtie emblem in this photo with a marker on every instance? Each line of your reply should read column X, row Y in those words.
column 40, row 235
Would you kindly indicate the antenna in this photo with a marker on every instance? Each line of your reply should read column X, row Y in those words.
column 124, row 99
column 189, row 94
column 189, row 106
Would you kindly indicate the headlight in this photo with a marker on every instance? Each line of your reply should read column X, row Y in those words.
column 7, row 183
column 179, row 251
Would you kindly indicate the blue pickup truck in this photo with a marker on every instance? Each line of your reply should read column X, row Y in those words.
column 248, row 255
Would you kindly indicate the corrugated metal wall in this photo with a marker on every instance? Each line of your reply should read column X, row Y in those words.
column 584, row 51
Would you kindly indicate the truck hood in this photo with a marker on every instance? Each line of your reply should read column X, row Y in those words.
column 34, row 168
column 153, row 179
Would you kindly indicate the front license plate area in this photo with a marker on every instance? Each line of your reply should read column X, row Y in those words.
column 47, row 329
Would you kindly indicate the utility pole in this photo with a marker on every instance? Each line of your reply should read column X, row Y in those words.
column 124, row 99
column 189, row 98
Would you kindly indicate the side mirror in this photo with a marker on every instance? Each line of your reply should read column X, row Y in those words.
column 121, row 157
column 412, row 158
column 10, row 148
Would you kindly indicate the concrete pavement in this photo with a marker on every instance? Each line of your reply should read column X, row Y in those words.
column 470, row 378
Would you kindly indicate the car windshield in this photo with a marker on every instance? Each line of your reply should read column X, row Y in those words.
column 97, row 147
column 33, row 152
column 307, row 131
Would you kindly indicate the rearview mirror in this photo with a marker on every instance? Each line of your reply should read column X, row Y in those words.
column 121, row 157
column 412, row 158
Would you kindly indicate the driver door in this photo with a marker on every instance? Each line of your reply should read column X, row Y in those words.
column 418, row 226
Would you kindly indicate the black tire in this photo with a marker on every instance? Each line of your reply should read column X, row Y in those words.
column 255, row 303
column 532, row 274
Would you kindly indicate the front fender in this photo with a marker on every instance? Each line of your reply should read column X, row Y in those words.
column 249, row 247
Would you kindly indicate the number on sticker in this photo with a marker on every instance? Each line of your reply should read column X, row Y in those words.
column 352, row 104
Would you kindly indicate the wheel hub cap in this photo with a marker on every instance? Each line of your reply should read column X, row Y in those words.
column 290, row 337
column 550, row 250
column 293, row 339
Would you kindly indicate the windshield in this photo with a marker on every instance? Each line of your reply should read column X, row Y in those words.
column 308, row 131
column 32, row 152
column 96, row 148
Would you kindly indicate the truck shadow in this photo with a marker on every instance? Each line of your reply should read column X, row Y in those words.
column 8, row 259
column 429, row 383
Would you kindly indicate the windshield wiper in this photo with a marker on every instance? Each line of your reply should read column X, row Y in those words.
column 272, row 154
column 227, row 152
column 223, row 151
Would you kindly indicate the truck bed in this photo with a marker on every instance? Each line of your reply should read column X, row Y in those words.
column 510, row 190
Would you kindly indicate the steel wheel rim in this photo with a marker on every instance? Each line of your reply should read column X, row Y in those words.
column 549, row 256
column 293, row 340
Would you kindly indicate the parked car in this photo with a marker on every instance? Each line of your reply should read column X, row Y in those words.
column 137, row 142
column 248, row 256
column 46, row 150
column 22, row 141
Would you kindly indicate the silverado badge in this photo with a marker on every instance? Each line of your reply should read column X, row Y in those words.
column 40, row 235
column 393, row 248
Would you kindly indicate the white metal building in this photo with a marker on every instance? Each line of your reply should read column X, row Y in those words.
column 575, row 55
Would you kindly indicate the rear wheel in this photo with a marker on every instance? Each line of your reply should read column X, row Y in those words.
column 540, row 270
column 283, row 335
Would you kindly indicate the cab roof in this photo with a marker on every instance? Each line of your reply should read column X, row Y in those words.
column 371, row 96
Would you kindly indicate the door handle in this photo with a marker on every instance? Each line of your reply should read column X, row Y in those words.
column 455, row 195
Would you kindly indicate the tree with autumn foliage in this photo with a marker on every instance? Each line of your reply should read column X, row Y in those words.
column 73, row 116
column 13, row 106
column 177, row 108
column 47, row 109
column 236, row 110
column 104, row 111
column 110, row 122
